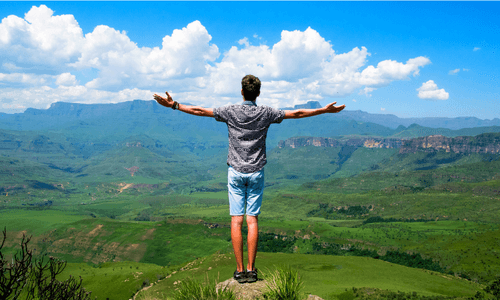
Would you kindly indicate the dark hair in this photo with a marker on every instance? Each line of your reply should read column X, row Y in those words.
column 251, row 87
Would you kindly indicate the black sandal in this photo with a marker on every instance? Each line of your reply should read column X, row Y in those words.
column 252, row 276
column 241, row 277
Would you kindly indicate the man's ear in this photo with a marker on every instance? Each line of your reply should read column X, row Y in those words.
column 242, row 92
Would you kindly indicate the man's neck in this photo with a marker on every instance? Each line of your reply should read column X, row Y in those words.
column 248, row 102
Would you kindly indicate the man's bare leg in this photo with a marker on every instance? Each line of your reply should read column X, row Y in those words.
column 252, row 240
column 237, row 240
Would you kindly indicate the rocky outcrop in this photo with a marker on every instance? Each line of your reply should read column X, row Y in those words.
column 331, row 142
column 483, row 143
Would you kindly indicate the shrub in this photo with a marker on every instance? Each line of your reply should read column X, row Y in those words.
column 494, row 288
column 35, row 278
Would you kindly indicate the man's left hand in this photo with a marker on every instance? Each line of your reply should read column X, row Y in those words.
column 167, row 102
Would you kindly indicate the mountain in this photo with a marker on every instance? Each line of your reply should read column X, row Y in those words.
column 141, row 139
column 393, row 121
column 85, row 122
column 349, row 156
column 482, row 143
column 367, row 142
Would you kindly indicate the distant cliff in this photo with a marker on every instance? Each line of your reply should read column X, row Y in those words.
column 331, row 142
column 483, row 143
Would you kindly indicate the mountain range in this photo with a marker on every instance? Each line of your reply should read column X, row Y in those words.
column 141, row 139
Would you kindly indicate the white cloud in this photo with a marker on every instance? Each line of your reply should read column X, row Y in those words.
column 244, row 41
column 66, row 79
column 465, row 70
column 367, row 91
column 45, row 54
column 454, row 72
column 40, row 38
column 382, row 109
column 354, row 100
column 476, row 49
column 23, row 79
column 429, row 90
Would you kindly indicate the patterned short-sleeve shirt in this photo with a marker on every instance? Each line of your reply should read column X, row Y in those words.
column 247, row 126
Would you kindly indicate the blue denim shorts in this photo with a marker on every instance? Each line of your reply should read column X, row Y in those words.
column 245, row 189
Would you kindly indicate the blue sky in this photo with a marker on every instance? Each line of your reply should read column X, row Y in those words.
column 411, row 59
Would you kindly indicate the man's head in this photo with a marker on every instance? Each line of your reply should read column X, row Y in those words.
column 250, row 87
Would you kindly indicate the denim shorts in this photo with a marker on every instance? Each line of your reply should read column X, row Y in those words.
column 245, row 189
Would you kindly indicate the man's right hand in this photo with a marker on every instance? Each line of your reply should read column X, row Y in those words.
column 330, row 108
column 167, row 102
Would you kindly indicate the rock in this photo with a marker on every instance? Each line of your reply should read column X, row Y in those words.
column 244, row 291
column 250, row 291
column 314, row 297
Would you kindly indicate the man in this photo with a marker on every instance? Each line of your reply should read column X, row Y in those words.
column 247, row 127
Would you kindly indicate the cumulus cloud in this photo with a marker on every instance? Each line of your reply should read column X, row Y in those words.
column 454, row 72
column 40, row 38
column 22, row 79
column 66, row 79
column 45, row 54
column 429, row 90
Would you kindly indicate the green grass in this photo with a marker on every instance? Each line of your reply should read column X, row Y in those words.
column 36, row 222
column 79, row 239
column 326, row 275
column 284, row 283
column 115, row 280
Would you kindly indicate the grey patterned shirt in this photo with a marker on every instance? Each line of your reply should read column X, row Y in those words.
column 247, row 126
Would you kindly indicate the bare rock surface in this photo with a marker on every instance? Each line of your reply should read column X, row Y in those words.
column 244, row 291
column 250, row 291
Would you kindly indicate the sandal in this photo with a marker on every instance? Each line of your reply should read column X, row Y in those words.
column 252, row 276
column 241, row 277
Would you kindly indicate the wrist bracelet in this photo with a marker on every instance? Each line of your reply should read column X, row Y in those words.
column 175, row 106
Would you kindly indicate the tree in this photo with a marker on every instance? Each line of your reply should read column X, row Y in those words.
column 36, row 277
column 494, row 288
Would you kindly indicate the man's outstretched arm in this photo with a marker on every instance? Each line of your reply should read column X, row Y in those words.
column 304, row 113
column 193, row 110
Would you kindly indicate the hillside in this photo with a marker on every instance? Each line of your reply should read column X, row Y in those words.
column 134, row 185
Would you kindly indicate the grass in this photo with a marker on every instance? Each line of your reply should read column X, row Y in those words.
column 99, row 240
column 284, row 283
column 116, row 280
column 326, row 275
column 190, row 289
column 40, row 221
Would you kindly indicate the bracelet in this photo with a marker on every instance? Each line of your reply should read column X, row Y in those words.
column 175, row 106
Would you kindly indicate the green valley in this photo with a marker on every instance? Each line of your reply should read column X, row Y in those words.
column 361, row 211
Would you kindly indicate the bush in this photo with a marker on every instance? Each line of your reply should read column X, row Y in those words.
column 283, row 284
column 35, row 278
column 494, row 288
